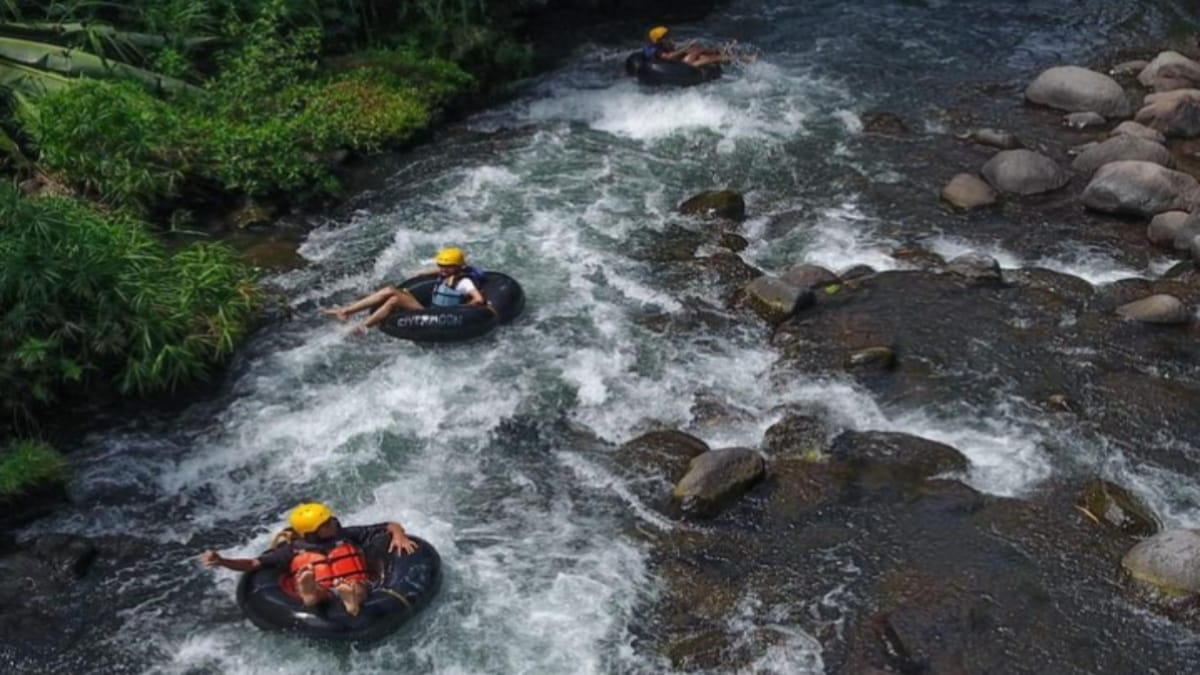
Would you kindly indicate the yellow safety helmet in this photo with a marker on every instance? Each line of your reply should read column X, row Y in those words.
column 451, row 256
column 657, row 33
column 309, row 517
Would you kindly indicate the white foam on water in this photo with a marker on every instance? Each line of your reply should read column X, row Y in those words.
column 1090, row 264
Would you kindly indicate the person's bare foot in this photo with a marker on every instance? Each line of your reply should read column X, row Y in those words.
column 359, row 330
column 349, row 596
column 306, row 584
column 336, row 312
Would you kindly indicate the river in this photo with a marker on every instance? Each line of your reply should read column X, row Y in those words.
column 499, row 451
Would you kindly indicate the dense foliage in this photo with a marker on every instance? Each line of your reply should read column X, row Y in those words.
column 143, row 109
column 95, row 302
column 28, row 465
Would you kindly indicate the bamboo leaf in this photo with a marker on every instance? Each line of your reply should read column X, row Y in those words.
column 75, row 62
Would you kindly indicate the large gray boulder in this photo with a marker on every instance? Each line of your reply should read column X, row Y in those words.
column 1174, row 113
column 716, row 477
column 1121, row 147
column 805, row 275
column 1169, row 71
column 975, row 266
column 1169, row 561
column 1165, row 227
column 1161, row 308
column 1131, row 128
column 1076, row 89
column 1141, row 189
column 1024, row 172
column 967, row 191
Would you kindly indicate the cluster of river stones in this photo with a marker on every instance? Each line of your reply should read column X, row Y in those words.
column 913, row 335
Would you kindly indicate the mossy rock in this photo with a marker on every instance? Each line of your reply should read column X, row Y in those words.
column 1118, row 508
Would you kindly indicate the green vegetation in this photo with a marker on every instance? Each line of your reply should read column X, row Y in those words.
column 28, row 465
column 132, row 114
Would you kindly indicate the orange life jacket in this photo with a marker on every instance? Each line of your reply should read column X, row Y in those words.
column 345, row 562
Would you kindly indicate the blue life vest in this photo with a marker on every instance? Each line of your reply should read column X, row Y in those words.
column 652, row 51
column 446, row 295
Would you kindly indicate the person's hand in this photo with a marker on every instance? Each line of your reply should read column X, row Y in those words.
column 359, row 330
column 210, row 558
column 401, row 544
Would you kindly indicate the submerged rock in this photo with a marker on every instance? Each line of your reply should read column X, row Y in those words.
column 1140, row 189
column 716, row 477
column 1076, row 89
column 1024, row 172
column 967, row 191
column 726, row 204
column 996, row 138
column 1117, row 507
column 665, row 453
column 797, row 434
column 879, row 358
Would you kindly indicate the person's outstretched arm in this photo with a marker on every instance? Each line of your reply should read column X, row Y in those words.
column 214, row 559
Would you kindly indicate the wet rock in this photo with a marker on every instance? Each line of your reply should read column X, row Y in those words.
column 709, row 410
column 1131, row 128
column 774, row 300
column 872, row 359
column 1122, row 147
column 664, row 453
column 725, row 270
column 1169, row 562
column 1162, row 228
column 1060, row 402
column 1076, row 89
column 995, row 138
column 1161, row 308
column 884, row 123
column 1118, row 508
column 1128, row 68
column 673, row 243
column 1170, row 71
column 717, row 477
column 919, row 257
column 856, row 272
column 1174, row 113
column 797, row 434
column 809, row 276
column 904, row 454
column 725, row 204
column 1084, row 120
column 66, row 554
column 1024, row 172
column 1141, row 189
column 251, row 214
column 975, row 266
column 274, row 255
column 967, row 191
column 733, row 241
column 1194, row 248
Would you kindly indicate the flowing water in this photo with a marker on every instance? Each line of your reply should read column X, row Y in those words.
column 493, row 450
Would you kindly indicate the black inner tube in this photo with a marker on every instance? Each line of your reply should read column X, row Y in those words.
column 402, row 585
column 662, row 72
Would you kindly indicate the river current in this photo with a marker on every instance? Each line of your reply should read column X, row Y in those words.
column 477, row 447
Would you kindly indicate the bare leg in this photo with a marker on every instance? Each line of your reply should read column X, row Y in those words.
column 310, row 593
column 400, row 300
column 352, row 595
column 343, row 313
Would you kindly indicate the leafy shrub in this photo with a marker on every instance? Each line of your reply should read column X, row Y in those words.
column 111, row 139
column 26, row 465
column 94, row 301
column 361, row 111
